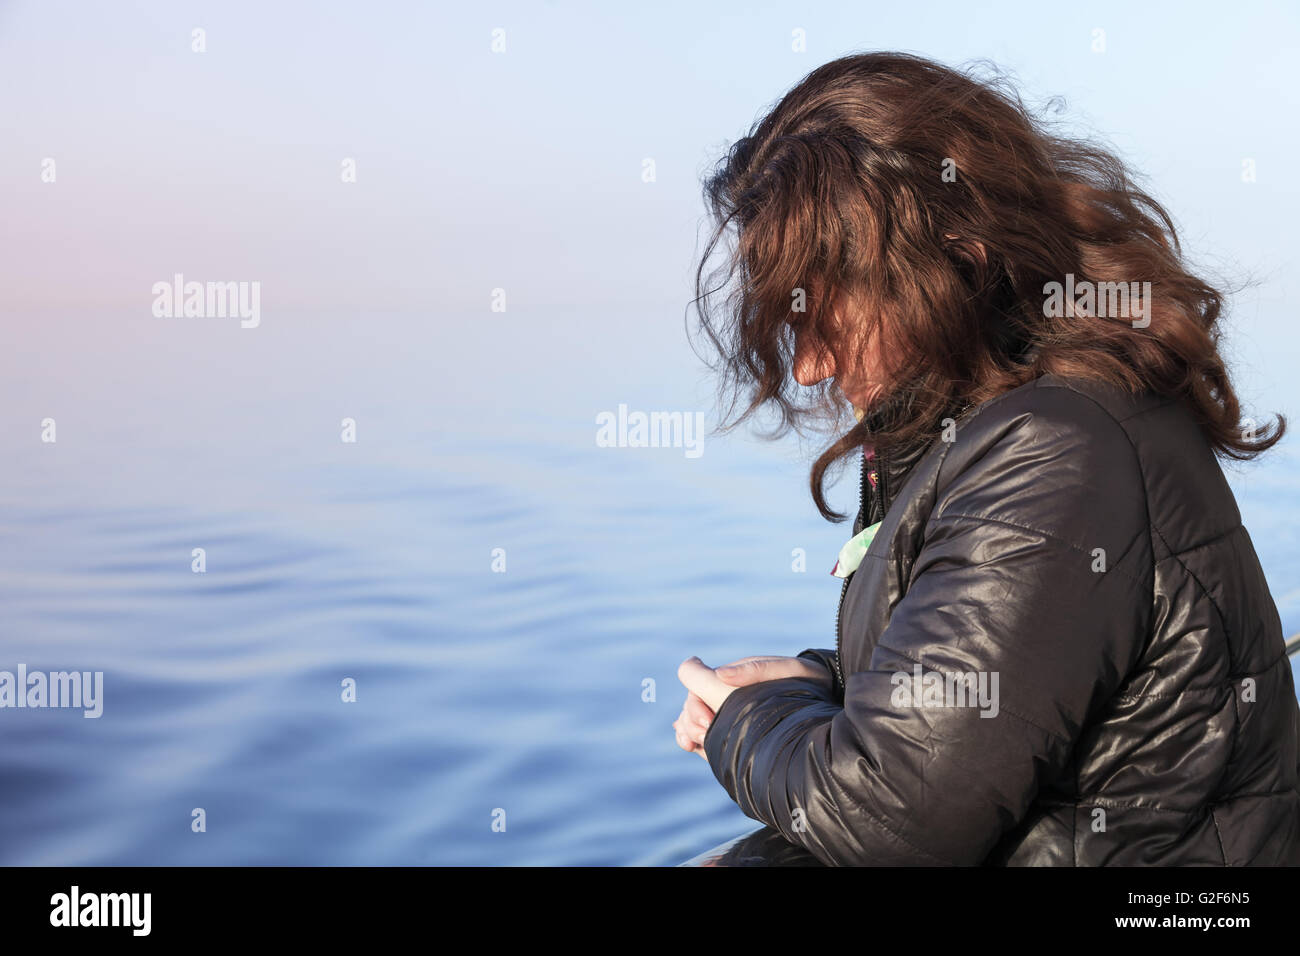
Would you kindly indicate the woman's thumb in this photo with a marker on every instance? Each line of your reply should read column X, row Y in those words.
column 754, row 672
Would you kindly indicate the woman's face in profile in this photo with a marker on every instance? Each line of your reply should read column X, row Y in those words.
column 814, row 362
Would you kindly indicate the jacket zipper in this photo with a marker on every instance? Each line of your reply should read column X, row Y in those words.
column 881, row 495
column 866, row 520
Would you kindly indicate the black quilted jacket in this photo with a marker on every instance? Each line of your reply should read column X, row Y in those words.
column 1060, row 649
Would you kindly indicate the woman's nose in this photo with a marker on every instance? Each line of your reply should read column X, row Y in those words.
column 813, row 362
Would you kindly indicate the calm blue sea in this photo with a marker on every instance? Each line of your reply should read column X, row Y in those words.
column 476, row 691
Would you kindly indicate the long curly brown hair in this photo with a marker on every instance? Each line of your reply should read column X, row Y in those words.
column 940, row 208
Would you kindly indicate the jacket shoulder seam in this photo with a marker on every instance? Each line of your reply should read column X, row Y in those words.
column 1223, row 621
column 1200, row 544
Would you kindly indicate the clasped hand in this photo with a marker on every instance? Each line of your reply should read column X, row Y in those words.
column 707, row 688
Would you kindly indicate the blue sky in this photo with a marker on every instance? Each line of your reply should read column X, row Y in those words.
column 522, row 170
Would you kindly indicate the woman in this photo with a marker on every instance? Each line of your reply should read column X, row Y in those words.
column 1055, row 642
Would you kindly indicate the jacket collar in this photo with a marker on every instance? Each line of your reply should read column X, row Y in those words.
column 892, row 468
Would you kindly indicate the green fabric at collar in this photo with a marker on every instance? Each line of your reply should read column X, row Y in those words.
column 854, row 550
